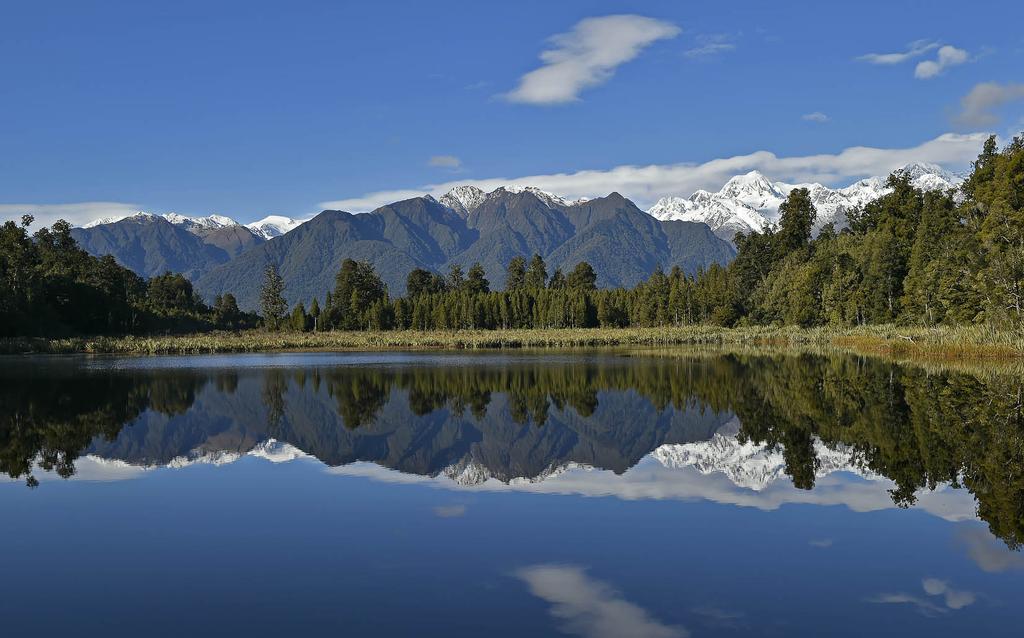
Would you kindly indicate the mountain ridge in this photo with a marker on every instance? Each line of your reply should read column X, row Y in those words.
column 750, row 202
column 621, row 242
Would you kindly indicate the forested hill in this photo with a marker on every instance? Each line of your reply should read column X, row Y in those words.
column 623, row 244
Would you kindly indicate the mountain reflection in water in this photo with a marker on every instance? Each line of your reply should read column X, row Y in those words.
column 751, row 429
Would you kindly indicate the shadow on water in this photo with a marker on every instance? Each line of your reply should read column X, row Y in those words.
column 521, row 417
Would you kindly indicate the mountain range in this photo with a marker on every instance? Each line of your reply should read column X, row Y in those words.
column 622, row 242
column 466, row 225
column 748, row 203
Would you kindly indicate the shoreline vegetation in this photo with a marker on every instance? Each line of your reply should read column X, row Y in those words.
column 920, row 274
column 901, row 342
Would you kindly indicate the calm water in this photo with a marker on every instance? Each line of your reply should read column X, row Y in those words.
column 598, row 495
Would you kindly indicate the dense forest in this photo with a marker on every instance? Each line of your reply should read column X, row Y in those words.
column 51, row 287
column 910, row 257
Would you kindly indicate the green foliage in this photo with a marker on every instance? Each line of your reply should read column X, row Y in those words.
column 582, row 277
column 920, row 428
column 516, row 275
column 272, row 302
column 358, row 295
column 476, row 281
column 911, row 257
column 49, row 286
column 537, row 273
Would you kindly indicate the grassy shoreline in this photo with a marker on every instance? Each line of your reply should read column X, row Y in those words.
column 969, row 342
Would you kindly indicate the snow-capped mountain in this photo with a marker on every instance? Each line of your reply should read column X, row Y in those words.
column 274, row 226
column 725, row 216
column 140, row 216
column 188, row 223
column 463, row 199
column 749, row 202
column 748, row 465
column 267, row 228
column 194, row 224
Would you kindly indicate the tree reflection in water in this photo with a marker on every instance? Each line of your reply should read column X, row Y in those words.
column 919, row 428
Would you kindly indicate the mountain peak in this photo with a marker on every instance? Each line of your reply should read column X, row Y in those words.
column 463, row 199
column 113, row 219
column 274, row 226
column 749, row 201
column 208, row 222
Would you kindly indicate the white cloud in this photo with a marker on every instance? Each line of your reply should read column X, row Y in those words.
column 649, row 480
column 816, row 116
column 709, row 45
column 445, row 161
column 645, row 184
column 948, row 56
column 76, row 214
column 924, row 606
column 952, row 599
column 989, row 553
column 589, row 607
column 450, row 511
column 914, row 49
column 976, row 108
column 587, row 56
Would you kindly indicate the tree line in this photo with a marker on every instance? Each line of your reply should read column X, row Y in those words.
column 910, row 257
column 921, row 428
column 49, row 286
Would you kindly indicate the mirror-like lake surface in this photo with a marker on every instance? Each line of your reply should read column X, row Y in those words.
column 594, row 494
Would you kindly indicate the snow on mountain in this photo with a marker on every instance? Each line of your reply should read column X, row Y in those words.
column 748, row 465
column 188, row 223
column 140, row 215
column 725, row 216
column 277, row 451
column 754, row 190
column 749, row 202
column 463, row 199
column 267, row 228
column 274, row 226
column 468, row 472
column 200, row 223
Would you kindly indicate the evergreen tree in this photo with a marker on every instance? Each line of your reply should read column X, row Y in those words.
column 356, row 288
column 272, row 302
column 299, row 321
column 225, row 311
column 537, row 274
column 582, row 277
column 476, row 282
column 516, row 276
column 796, row 219
column 456, row 279
column 420, row 282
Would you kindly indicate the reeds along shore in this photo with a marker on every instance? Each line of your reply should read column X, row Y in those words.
column 968, row 342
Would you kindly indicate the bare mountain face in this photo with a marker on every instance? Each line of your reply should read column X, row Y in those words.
column 623, row 243
column 748, row 203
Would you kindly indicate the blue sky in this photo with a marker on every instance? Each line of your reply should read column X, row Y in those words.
column 250, row 108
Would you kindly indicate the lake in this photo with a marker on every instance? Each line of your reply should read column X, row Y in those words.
column 596, row 494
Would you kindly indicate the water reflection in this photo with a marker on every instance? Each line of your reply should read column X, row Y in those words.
column 588, row 607
column 783, row 428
